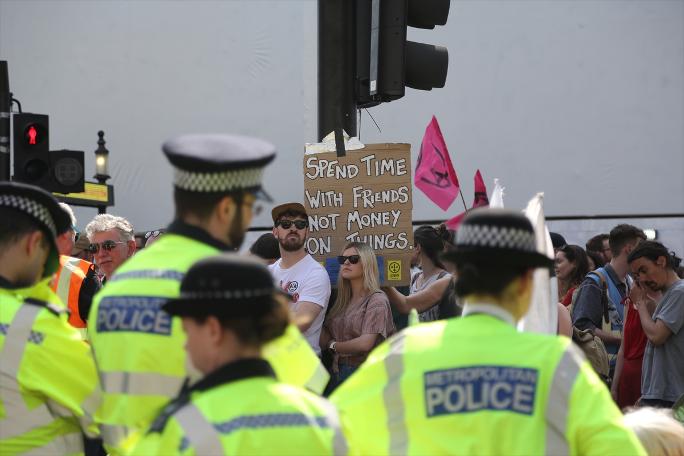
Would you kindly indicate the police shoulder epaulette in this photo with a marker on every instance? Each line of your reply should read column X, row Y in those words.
column 57, row 310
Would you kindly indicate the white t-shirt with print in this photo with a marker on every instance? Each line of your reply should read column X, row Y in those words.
column 306, row 281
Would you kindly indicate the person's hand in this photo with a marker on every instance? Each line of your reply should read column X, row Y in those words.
column 639, row 296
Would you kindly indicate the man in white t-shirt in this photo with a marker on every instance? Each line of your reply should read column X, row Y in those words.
column 298, row 274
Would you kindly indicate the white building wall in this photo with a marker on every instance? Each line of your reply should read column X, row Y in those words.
column 583, row 100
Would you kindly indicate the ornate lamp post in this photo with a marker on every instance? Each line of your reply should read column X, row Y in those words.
column 101, row 165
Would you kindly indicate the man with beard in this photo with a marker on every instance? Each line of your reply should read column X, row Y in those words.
column 600, row 245
column 598, row 305
column 298, row 274
column 138, row 346
column 662, row 378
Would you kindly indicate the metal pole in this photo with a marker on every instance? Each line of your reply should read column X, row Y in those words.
column 336, row 54
column 5, row 108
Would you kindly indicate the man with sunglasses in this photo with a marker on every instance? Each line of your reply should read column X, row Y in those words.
column 138, row 346
column 112, row 241
column 298, row 274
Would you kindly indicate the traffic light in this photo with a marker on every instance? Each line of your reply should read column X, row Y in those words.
column 57, row 171
column 67, row 174
column 386, row 62
column 31, row 147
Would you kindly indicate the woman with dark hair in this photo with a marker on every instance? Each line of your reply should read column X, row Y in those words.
column 475, row 384
column 595, row 260
column 361, row 317
column 571, row 266
column 230, row 309
column 429, row 288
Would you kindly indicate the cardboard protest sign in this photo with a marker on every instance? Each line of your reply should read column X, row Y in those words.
column 364, row 196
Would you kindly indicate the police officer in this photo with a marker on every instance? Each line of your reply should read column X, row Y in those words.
column 230, row 308
column 138, row 347
column 48, row 381
column 474, row 385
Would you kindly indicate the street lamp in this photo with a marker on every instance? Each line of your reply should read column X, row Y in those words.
column 101, row 166
column 101, row 160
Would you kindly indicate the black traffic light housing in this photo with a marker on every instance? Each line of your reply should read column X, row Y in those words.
column 67, row 171
column 57, row 171
column 31, row 147
column 386, row 62
column 364, row 58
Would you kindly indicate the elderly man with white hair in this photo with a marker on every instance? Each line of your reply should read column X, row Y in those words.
column 112, row 241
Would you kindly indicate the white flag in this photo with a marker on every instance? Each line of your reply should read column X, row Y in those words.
column 542, row 316
column 496, row 200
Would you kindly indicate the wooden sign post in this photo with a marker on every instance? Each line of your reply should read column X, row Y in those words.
column 364, row 196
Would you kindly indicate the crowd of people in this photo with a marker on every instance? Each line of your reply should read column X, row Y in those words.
column 186, row 347
column 616, row 300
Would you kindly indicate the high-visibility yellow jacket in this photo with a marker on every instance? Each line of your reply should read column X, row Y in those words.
column 241, row 409
column 139, row 348
column 474, row 385
column 48, row 382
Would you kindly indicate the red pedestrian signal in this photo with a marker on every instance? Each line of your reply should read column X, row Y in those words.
column 31, row 149
column 31, row 134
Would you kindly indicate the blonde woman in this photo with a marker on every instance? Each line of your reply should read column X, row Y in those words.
column 361, row 317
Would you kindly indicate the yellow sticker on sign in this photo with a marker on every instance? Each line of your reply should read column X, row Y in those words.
column 394, row 270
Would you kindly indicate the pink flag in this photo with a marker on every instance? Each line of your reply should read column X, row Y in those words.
column 453, row 223
column 435, row 174
column 480, row 200
column 480, row 191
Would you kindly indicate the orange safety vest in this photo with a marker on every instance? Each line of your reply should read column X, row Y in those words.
column 67, row 284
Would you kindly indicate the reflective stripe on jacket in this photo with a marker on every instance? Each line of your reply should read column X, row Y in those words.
column 252, row 416
column 67, row 284
column 139, row 380
column 475, row 385
column 48, row 383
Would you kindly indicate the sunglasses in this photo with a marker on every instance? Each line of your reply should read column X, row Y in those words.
column 299, row 224
column 154, row 233
column 353, row 259
column 106, row 245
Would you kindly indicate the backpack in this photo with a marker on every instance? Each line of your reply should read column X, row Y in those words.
column 591, row 344
column 594, row 350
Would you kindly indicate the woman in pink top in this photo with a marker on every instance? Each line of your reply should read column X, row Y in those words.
column 361, row 317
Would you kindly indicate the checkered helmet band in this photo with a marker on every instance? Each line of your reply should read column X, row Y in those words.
column 224, row 181
column 226, row 294
column 496, row 237
column 32, row 208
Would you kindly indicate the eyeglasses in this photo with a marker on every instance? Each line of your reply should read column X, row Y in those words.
column 353, row 259
column 299, row 224
column 106, row 245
